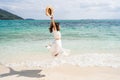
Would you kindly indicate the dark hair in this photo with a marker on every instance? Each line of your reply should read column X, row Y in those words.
column 57, row 27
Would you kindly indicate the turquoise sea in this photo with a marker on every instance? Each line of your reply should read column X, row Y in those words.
column 29, row 37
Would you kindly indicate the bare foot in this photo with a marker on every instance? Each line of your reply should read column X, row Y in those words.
column 56, row 55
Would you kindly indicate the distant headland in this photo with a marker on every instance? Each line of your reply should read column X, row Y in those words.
column 5, row 15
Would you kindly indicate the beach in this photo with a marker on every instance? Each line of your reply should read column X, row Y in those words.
column 72, row 67
column 62, row 72
column 93, row 45
column 59, row 39
column 70, row 72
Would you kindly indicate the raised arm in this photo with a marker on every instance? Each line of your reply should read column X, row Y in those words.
column 53, row 22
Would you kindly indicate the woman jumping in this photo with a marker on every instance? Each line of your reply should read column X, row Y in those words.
column 56, row 47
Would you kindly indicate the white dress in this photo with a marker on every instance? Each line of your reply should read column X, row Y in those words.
column 56, row 46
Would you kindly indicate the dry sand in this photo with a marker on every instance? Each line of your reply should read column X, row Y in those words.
column 61, row 72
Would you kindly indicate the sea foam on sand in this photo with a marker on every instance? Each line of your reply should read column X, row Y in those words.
column 93, row 59
column 73, row 67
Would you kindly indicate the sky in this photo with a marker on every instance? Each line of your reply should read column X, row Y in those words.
column 64, row 9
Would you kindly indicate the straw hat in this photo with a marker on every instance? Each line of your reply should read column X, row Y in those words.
column 49, row 11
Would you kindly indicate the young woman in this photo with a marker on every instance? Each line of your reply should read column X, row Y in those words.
column 56, row 46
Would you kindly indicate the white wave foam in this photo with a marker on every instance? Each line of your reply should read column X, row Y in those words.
column 109, row 60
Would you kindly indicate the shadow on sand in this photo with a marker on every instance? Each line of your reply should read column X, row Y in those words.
column 24, row 73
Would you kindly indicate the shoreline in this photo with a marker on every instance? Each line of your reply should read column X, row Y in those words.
column 73, row 67
column 82, row 60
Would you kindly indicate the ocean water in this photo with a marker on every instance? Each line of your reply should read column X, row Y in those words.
column 87, row 38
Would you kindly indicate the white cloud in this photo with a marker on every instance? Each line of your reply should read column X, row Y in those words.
column 65, row 9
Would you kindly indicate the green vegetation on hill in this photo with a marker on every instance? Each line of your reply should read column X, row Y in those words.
column 5, row 15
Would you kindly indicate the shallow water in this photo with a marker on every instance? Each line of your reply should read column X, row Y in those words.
column 29, row 37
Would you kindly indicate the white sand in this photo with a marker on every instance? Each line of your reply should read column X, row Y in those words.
column 61, row 72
